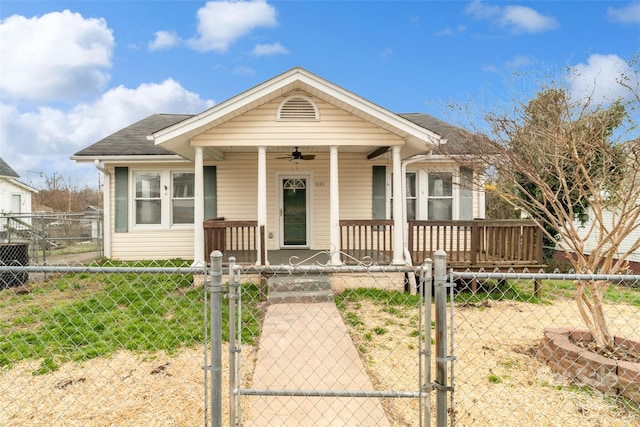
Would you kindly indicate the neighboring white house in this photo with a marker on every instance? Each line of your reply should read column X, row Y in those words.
column 297, row 154
column 609, row 220
column 15, row 196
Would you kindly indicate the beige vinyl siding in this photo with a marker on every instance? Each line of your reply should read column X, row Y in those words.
column 260, row 127
column 237, row 187
column 237, row 191
column 152, row 244
column 356, row 187
column 148, row 243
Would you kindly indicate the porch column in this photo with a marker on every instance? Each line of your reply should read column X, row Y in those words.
column 334, row 206
column 262, row 199
column 398, row 207
column 198, row 210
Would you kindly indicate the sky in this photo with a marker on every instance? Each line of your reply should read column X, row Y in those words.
column 73, row 72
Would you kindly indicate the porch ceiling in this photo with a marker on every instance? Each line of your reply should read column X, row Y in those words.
column 218, row 153
column 305, row 149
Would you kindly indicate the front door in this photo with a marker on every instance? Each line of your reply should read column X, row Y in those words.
column 293, row 213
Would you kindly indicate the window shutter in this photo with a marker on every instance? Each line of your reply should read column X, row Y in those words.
column 121, row 199
column 379, row 192
column 210, row 192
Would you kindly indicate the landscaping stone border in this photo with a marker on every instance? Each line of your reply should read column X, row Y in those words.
column 584, row 367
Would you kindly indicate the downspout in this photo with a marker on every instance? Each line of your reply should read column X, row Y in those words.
column 106, row 209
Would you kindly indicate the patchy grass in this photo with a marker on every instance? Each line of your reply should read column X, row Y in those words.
column 524, row 291
column 77, row 317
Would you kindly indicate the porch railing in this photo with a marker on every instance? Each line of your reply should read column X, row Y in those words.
column 367, row 238
column 478, row 243
column 234, row 238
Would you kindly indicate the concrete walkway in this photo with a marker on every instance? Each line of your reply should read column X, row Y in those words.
column 306, row 347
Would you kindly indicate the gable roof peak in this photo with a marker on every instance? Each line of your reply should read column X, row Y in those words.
column 6, row 170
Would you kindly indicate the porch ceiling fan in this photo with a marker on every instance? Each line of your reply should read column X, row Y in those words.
column 297, row 155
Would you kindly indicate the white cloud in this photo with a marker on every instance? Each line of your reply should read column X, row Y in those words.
column 519, row 61
column 244, row 71
column 448, row 31
column 269, row 49
column 480, row 10
column 220, row 23
column 519, row 19
column 599, row 79
column 59, row 134
column 164, row 40
column 525, row 19
column 57, row 56
column 629, row 14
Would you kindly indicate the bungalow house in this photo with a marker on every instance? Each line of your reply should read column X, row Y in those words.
column 295, row 163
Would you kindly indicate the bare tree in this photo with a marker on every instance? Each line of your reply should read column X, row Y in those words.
column 64, row 195
column 573, row 167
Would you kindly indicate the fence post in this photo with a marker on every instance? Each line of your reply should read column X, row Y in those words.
column 233, row 349
column 440, row 275
column 426, row 283
column 215, row 288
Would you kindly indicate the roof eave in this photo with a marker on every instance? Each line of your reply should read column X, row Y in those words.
column 135, row 158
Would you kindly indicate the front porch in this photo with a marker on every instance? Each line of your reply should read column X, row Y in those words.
column 474, row 244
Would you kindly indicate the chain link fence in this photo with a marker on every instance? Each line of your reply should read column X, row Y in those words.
column 523, row 356
column 337, row 346
column 57, row 238
column 129, row 344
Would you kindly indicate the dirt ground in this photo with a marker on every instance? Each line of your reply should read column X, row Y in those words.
column 497, row 339
column 498, row 379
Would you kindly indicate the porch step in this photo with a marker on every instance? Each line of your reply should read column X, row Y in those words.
column 299, row 289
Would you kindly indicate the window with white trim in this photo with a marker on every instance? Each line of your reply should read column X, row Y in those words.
column 411, row 193
column 440, row 196
column 163, row 198
column 148, row 201
column 182, row 201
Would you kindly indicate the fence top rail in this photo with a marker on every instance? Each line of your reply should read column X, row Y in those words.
column 101, row 269
column 466, row 275
column 323, row 269
column 55, row 215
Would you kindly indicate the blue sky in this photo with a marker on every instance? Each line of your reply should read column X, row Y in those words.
column 72, row 73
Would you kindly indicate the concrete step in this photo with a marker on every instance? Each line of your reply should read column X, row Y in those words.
column 299, row 289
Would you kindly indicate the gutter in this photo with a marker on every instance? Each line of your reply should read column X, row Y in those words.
column 101, row 168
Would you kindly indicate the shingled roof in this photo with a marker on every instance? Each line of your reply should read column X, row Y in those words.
column 458, row 140
column 5, row 170
column 132, row 140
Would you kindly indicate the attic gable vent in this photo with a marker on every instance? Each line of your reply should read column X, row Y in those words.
column 297, row 108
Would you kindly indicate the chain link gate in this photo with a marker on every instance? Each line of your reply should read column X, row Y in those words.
column 300, row 355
